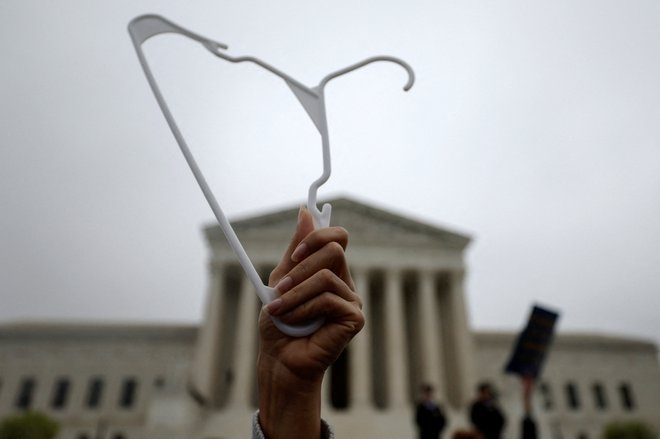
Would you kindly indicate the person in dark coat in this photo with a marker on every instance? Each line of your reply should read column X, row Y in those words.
column 485, row 414
column 429, row 417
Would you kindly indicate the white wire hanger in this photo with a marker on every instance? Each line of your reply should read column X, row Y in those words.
column 313, row 101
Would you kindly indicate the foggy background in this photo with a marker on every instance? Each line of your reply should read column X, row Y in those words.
column 533, row 127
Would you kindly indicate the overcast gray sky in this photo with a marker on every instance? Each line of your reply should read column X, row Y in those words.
column 534, row 127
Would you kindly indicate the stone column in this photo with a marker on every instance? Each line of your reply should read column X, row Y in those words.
column 360, row 360
column 395, row 340
column 246, row 337
column 463, row 347
column 432, row 365
column 204, row 377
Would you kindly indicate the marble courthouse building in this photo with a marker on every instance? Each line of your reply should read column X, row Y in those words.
column 106, row 381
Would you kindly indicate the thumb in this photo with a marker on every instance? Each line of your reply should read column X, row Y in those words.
column 304, row 227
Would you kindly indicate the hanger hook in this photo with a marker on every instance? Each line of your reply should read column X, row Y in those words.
column 402, row 63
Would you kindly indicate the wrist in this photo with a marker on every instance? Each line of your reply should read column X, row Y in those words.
column 289, row 405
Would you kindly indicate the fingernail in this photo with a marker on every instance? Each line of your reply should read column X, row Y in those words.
column 273, row 306
column 300, row 214
column 299, row 253
column 284, row 284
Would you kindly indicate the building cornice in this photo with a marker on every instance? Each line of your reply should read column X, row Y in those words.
column 340, row 208
column 573, row 340
column 44, row 330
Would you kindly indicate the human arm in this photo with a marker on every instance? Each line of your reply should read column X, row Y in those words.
column 528, row 426
column 314, row 281
column 527, row 382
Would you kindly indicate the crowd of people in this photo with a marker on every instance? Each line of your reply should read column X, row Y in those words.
column 314, row 281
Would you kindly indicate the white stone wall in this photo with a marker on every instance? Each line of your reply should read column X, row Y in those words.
column 159, row 359
column 156, row 358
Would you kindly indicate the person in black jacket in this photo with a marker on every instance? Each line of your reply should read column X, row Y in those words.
column 429, row 417
column 485, row 414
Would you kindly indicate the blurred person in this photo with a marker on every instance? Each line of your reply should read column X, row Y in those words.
column 429, row 416
column 485, row 413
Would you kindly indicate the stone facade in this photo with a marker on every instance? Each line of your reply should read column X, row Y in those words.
column 96, row 380
column 410, row 273
column 166, row 382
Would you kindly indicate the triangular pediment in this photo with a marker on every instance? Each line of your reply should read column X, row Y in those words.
column 366, row 224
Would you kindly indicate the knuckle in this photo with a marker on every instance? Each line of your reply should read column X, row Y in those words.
column 327, row 276
column 328, row 300
column 359, row 320
column 335, row 249
column 342, row 233
column 335, row 254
